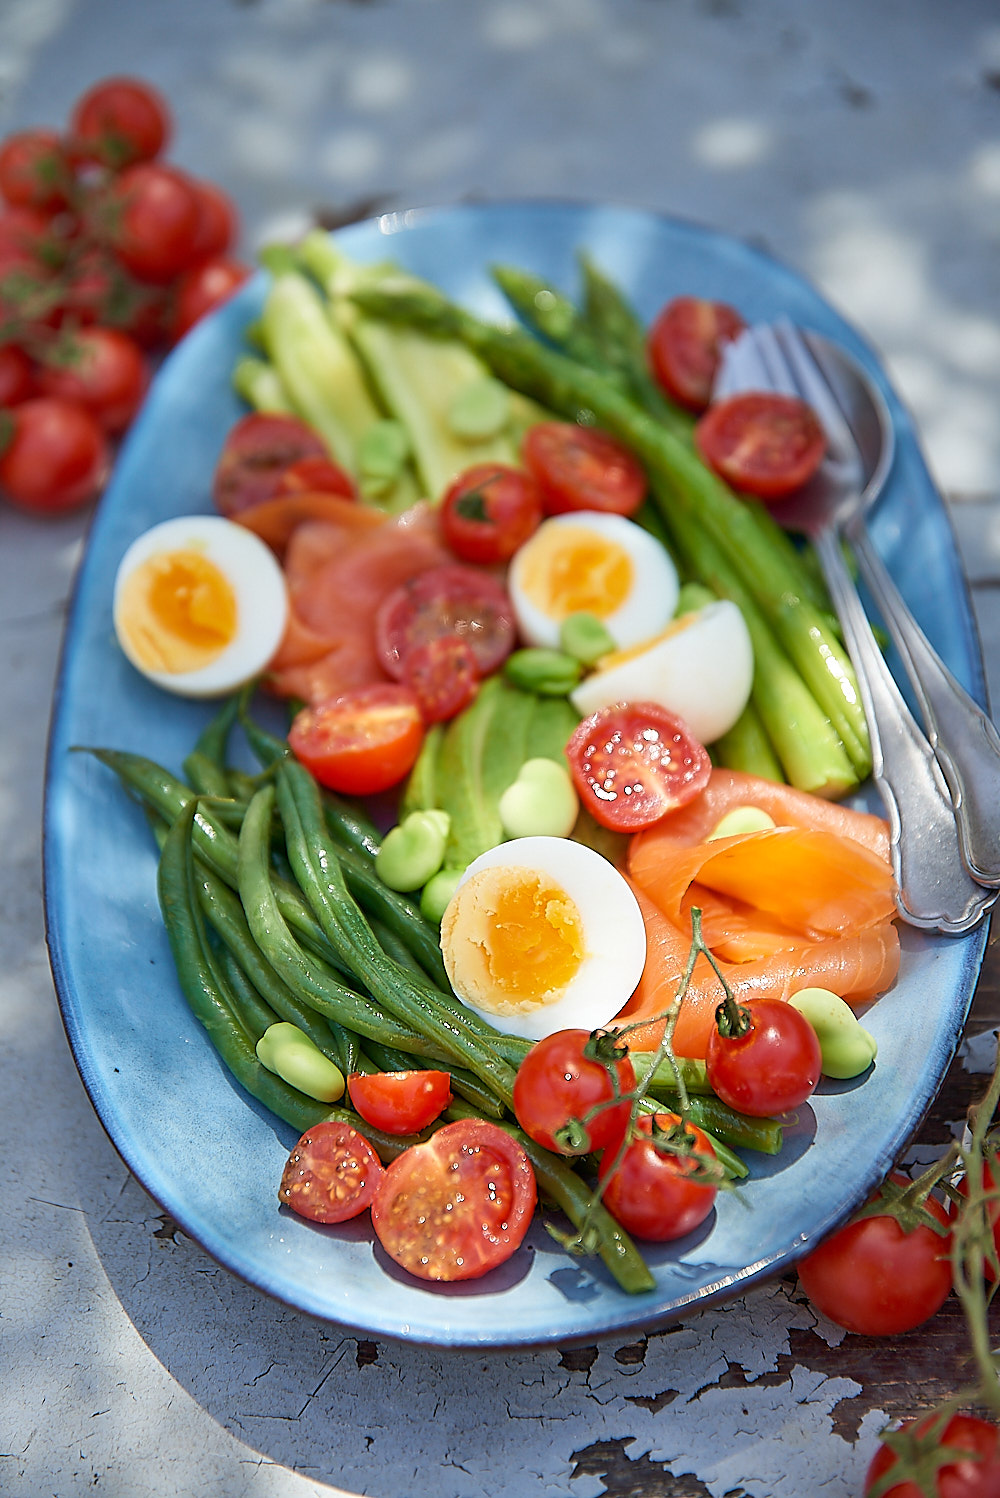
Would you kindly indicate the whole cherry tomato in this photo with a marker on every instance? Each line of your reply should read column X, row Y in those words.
column 218, row 221
column 873, row 1277
column 973, row 1471
column 56, row 457
column 204, row 288
column 34, row 171
column 102, row 370
column 257, row 453
column 152, row 216
column 17, row 379
column 119, row 121
column 771, row 1065
column 664, row 1185
column 489, row 511
column 564, row 1077
column 685, row 343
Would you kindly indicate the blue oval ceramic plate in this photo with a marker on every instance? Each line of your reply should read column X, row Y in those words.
column 205, row 1150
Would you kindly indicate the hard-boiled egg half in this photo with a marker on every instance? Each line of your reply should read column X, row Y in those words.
column 700, row 668
column 200, row 605
column 543, row 934
column 595, row 563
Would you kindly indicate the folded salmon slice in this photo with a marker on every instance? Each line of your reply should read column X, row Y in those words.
column 810, row 902
column 341, row 560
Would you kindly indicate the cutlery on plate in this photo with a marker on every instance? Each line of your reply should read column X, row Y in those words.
column 935, row 889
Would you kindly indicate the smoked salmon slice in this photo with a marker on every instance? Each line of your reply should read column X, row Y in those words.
column 340, row 560
column 810, row 902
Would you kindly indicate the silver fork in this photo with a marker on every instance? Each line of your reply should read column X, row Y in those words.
column 934, row 887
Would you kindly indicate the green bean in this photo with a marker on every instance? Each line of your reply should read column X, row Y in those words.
column 213, row 741
column 414, row 1003
column 311, row 981
column 225, row 913
column 205, row 776
column 201, row 987
column 397, row 912
column 394, row 948
column 738, row 1129
column 257, row 1015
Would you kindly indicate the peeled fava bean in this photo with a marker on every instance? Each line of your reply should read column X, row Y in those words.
column 288, row 1052
column 542, row 801
column 413, row 852
column 846, row 1047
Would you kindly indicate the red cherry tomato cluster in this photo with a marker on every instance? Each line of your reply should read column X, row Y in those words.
column 451, row 1208
column 107, row 253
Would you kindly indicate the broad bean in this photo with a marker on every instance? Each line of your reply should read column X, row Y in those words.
column 845, row 1045
column 288, row 1052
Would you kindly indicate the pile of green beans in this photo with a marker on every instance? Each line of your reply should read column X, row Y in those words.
column 275, row 913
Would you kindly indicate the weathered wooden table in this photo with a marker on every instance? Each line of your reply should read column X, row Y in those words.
column 863, row 144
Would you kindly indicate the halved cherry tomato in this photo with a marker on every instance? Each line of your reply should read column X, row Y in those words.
column 332, row 1173
column 201, row 290
column 449, row 600
column 316, row 474
column 873, row 1278
column 400, row 1102
column 151, row 220
column 457, row 1206
column 363, row 741
column 633, row 762
column 650, row 1191
column 580, row 468
column 34, row 170
column 256, row 454
column 762, row 442
column 685, row 343
column 489, row 511
column 557, row 1082
column 444, row 674
column 972, row 1472
column 772, row 1067
column 56, row 458
column 119, row 121
column 101, row 369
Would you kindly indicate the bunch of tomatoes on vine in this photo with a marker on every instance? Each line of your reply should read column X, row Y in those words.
column 108, row 255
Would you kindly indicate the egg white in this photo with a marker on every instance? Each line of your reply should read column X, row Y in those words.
column 257, row 582
column 613, row 932
column 702, row 672
column 652, row 597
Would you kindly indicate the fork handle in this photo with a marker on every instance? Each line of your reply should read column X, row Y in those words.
column 963, row 738
column 934, row 888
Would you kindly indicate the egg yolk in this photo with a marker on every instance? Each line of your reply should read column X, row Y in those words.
column 178, row 612
column 568, row 569
column 512, row 939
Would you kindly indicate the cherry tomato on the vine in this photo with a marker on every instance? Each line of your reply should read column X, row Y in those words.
column 56, row 457
column 34, row 171
column 218, row 221
column 633, row 762
column 17, row 379
column 772, row 1066
column 581, row 468
column 457, row 1206
column 363, row 741
column 204, row 288
column 332, row 1174
column 101, row 369
column 400, row 1102
column 119, row 121
column 762, row 442
column 685, row 343
column 557, row 1082
column 152, row 220
column 972, row 1472
column 872, row 1277
column 651, row 1190
column 489, row 511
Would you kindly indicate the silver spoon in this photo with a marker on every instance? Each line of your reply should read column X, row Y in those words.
column 934, row 887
